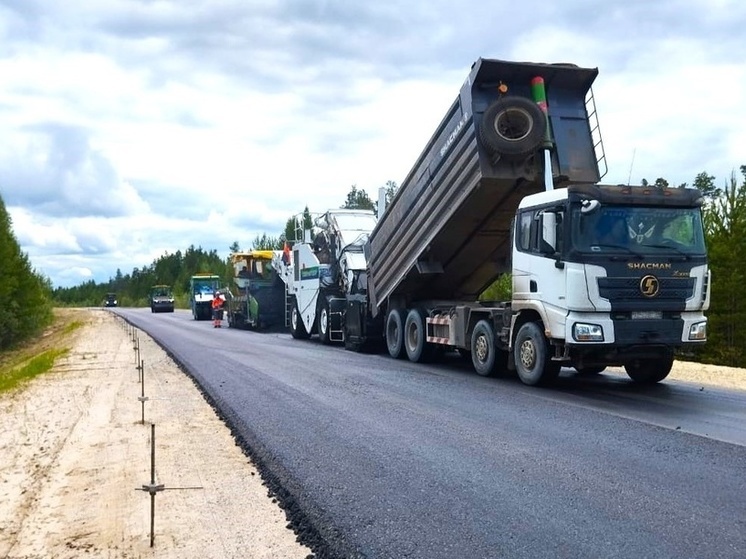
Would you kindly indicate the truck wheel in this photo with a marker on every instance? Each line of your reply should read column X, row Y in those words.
column 532, row 358
column 297, row 328
column 512, row 127
column 417, row 347
column 395, row 334
column 649, row 371
column 322, row 317
column 483, row 350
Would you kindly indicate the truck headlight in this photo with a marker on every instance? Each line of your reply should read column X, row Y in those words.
column 698, row 331
column 582, row 332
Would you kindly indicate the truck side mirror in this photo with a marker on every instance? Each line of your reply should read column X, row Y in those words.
column 589, row 206
column 548, row 233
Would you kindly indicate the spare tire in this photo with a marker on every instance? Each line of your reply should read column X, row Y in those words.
column 512, row 127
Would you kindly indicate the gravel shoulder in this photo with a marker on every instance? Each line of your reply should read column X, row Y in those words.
column 74, row 451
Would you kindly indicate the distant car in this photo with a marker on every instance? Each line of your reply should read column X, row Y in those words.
column 161, row 299
column 111, row 300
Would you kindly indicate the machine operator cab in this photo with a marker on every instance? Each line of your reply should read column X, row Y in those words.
column 252, row 267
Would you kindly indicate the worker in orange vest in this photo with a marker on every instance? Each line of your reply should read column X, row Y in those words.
column 217, row 310
column 286, row 254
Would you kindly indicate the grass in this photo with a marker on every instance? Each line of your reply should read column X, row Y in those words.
column 34, row 367
column 37, row 356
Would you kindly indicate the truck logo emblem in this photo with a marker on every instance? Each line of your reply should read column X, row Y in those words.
column 640, row 236
column 649, row 286
column 649, row 265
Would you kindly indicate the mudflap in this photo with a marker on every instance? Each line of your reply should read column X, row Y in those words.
column 362, row 332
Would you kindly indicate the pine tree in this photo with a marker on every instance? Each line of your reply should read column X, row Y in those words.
column 26, row 307
column 358, row 200
column 725, row 228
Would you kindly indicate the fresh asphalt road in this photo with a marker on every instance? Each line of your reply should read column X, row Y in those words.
column 380, row 458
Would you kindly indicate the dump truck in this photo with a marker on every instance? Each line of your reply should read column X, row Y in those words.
column 509, row 183
column 256, row 301
column 161, row 298
column 201, row 289
column 325, row 268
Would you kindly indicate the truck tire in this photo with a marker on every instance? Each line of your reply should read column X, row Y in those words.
column 512, row 127
column 649, row 371
column 418, row 350
column 323, row 322
column 532, row 357
column 395, row 334
column 483, row 350
column 297, row 328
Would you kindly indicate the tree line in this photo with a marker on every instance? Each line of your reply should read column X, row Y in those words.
column 29, row 296
column 357, row 199
column 176, row 269
column 724, row 218
column 133, row 289
column 26, row 307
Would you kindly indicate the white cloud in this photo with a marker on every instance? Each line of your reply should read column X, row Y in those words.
column 131, row 129
column 52, row 238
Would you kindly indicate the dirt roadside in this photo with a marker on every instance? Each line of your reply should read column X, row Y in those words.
column 73, row 450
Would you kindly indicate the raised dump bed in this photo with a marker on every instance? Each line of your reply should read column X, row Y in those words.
column 446, row 234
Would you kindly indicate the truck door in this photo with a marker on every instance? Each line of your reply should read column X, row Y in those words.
column 538, row 276
column 306, row 281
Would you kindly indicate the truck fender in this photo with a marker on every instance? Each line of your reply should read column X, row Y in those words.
column 532, row 313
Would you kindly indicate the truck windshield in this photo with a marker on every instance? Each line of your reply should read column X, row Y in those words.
column 354, row 228
column 641, row 230
column 205, row 287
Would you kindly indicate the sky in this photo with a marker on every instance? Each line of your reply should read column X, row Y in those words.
column 135, row 128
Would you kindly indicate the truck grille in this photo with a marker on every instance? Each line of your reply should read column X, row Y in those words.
column 628, row 289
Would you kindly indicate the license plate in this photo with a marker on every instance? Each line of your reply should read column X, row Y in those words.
column 647, row 315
